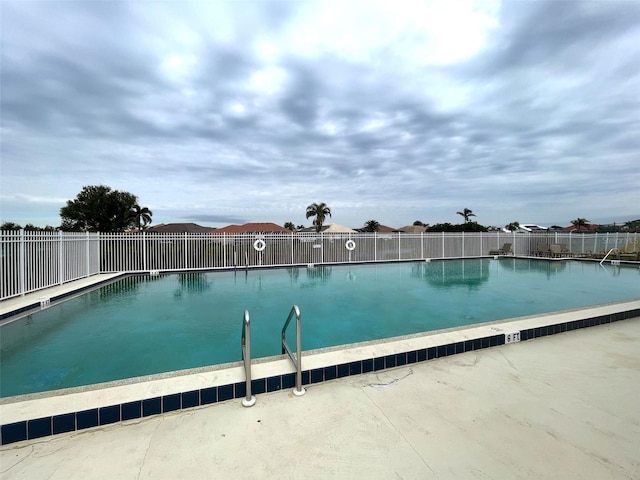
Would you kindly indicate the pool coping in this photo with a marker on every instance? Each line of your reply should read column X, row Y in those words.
column 28, row 417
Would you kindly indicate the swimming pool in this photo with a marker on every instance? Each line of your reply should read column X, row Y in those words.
column 145, row 324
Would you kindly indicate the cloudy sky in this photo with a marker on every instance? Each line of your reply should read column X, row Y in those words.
column 220, row 112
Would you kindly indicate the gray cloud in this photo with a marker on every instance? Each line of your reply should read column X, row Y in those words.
column 261, row 108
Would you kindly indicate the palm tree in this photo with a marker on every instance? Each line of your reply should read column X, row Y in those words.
column 320, row 211
column 513, row 226
column 141, row 215
column 371, row 226
column 290, row 226
column 466, row 213
column 580, row 223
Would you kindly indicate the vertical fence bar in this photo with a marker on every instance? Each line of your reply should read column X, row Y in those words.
column 22, row 263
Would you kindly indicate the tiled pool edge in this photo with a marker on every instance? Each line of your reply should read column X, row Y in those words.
column 31, row 429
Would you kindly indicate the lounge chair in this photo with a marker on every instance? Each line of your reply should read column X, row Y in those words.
column 555, row 250
column 543, row 250
column 506, row 249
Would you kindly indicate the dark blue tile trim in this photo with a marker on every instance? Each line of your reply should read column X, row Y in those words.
column 152, row 406
column 274, row 383
column 330, row 372
column 131, row 410
column 412, row 357
column 225, row 392
column 191, row 399
column 289, row 380
column 36, row 428
column 64, row 423
column 208, row 395
column 107, row 415
column 240, row 389
column 171, row 403
column 344, row 369
column 317, row 375
column 367, row 365
column 41, row 427
column 258, row 386
column 14, row 432
column 87, row 419
column 378, row 363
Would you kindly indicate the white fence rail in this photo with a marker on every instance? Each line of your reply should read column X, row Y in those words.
column 34, row 260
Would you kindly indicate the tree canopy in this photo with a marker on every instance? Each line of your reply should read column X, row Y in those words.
column 580, row 223
column 513, row 226
column 320, row 211
column 98, row 208
column 371, row 226
column 466, row 213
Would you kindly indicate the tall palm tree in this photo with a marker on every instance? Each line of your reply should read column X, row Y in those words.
column 371, row 226
column 141, row 215
column 320, row 211
column 580, row 223
column 466, row 213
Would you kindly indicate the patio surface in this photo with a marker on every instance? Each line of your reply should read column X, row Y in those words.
column 563, row 406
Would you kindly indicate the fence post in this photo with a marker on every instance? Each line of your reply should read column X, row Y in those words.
column 88, row 251
column 442, row 244
column 375, row 246
column 144, row 251
column 22, row 272
column 60, row 259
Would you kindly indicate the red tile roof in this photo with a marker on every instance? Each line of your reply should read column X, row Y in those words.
column 178, row 228
column 252, row 228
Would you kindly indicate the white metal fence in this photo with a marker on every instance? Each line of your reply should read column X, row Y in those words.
column 35, row 260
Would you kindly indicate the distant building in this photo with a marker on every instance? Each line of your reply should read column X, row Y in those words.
column 528, row 228
column 179, row 228
column 328, row 228
column 251, row 228
column 413, row 229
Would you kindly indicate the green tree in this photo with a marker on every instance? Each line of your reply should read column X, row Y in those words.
column 141, row 215
column 290, row 226
column 97, row 208
column 466, row 213
column 418, row 223
column 513, row 226
column 320, row 211
column 580, row 223
column 371, row 226
column 10, row 226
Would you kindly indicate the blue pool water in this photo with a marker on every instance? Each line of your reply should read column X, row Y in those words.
column 143, row 325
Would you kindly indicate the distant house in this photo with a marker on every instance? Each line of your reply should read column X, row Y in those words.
column 329, row 228
column 178, row 228
column 528, row 228
column 251, row 228
column 381, row 229
column 413, row 229
column 592, row 227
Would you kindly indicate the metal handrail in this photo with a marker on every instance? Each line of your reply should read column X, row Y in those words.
column 608, row 253
column 297, row 358
column 249, row 399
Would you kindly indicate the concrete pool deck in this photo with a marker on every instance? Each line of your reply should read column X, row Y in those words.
column 562, row 406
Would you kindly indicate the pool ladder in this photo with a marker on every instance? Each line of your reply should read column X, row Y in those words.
column 297, row 358
column 249, row 400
